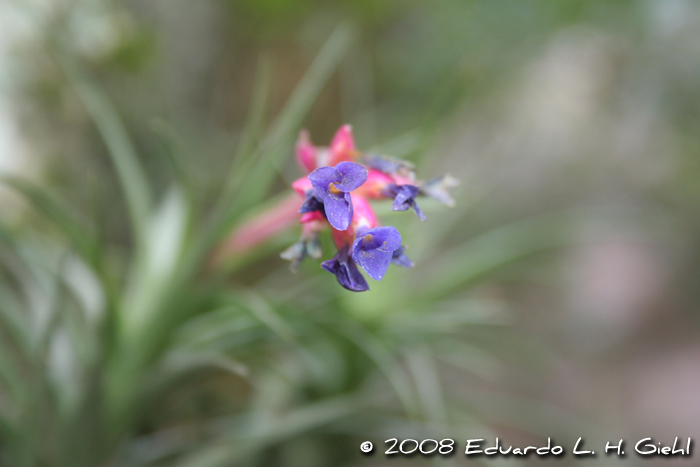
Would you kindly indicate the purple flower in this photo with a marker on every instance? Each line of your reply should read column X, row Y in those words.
column 405, row 197
column 333, row 186
column 345, row 270
column 399, row 258
column 373, row 249
column 312, row 203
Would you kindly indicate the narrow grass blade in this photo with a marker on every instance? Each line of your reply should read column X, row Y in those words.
column 264, row 312
column 154, row 272
column 478, row 256
column 132, row 177
column 278, row 142
column 68, row 222
column 268, row 431
column 428, row 387
column 385, row 361
column 173, row 149
column 253, row 130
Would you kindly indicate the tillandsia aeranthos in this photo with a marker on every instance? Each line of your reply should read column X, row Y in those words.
column 336, row 191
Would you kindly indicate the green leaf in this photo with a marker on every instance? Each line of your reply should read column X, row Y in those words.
column 421, row 366
column 474, row 258
column 174, row 151
column 243, row 438
column 267, row 315
column 75, row 228
column 243, row 163
column 280, row 138
column 132, row 177
column 383, row 358
column 151, row 281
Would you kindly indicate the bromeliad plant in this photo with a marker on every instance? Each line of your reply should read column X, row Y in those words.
column 335, row 194
column 142, row 356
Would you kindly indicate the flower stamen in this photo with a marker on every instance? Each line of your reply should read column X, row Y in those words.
column 333, row 189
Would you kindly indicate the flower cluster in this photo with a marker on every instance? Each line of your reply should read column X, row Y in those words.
column 336, row 192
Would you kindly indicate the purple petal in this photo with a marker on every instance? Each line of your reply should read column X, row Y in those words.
column 321, row 178
column 346, row 271
column 383, row 238
column 352, row 176
column 312, row 203
column 418, row 211
column 405, row 194
column 405, row 198
column 399, row 258
column 374, row 249
column 338, row 208
column 375, row 262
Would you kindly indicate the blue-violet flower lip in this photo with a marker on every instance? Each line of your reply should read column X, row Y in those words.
column 312, row 203
column 333, row 186
column 405, row 197
column 345, row 270
column 399, row 258
column 373, row 249
column 352, row 176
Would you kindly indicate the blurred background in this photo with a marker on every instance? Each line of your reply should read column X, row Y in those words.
column 557, row 299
